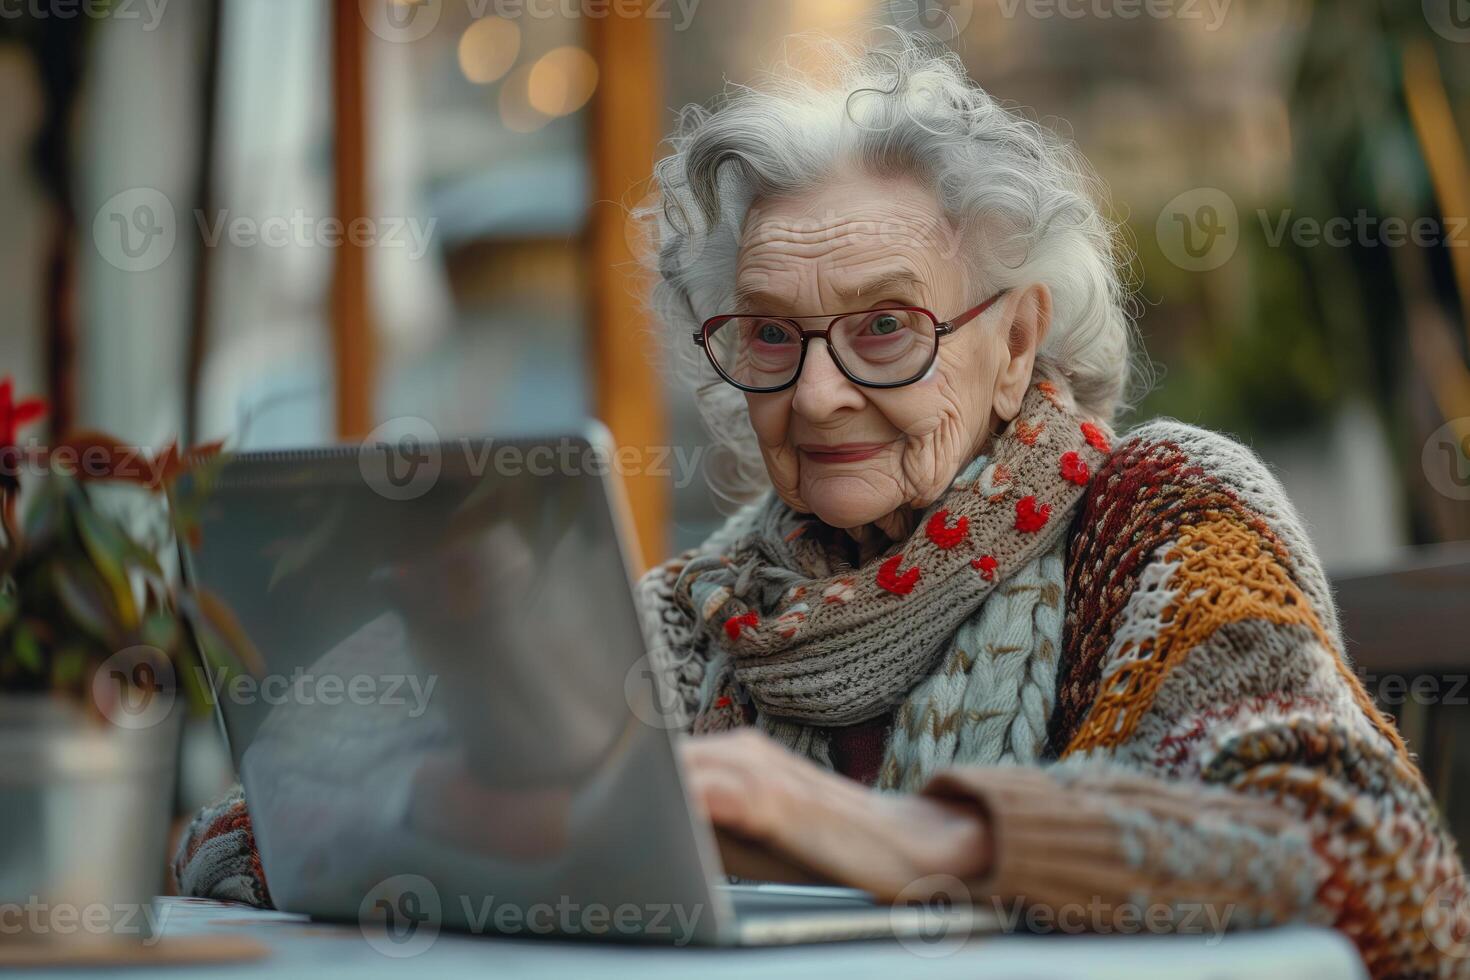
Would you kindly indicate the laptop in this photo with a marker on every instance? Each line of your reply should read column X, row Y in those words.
column 449, row 719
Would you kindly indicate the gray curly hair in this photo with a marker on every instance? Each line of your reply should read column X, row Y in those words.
column 899, row 104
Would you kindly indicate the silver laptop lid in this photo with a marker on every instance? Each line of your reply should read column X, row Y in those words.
column 454, row 701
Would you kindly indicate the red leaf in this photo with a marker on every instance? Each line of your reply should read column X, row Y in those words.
column 943, row 535
column 28, row 411
column 1095, row 437
column 890, row 579
column 1074, row 468
column 1029, row 517
column 734, row 624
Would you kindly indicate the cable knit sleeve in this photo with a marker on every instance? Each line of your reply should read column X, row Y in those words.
column 217, row 858
column 1217, row 759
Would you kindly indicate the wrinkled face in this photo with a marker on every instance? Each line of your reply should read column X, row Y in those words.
column 853, row 455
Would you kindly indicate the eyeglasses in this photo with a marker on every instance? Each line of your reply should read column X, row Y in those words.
column 888, row 347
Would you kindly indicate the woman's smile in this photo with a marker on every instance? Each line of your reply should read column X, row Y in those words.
column 842, row 452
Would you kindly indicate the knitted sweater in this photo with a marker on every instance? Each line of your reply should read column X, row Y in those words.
column 1211, row 756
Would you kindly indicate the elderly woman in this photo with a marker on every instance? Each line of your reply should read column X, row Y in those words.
column 969, row 631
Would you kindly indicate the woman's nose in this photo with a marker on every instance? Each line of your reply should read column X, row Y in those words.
column 822, row 389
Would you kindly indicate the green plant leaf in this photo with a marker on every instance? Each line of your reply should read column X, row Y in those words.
column 84, row 598
column 27, row 649
column 68, row 666
column 9, row 608
column 161, row 629
column 43, row 516
column 106, row 543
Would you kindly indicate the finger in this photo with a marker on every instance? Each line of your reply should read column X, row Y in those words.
column 726, row 797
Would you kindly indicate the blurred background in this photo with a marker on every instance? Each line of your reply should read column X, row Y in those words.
column 291, row 222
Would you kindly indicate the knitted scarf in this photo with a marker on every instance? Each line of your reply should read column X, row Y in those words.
column 955, row 632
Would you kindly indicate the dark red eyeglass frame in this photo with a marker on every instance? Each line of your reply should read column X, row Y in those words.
column 941, row 329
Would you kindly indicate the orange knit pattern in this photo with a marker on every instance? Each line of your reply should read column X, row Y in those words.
column 1226, row 573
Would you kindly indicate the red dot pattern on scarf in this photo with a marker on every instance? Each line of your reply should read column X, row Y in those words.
column 1029, row 432
column 723, row 701
column 1095, row 437
column 942, row 534
column 734, row 624
column 985, row 565
column 890, row 579
column 1074, row 468
column 1029, row 517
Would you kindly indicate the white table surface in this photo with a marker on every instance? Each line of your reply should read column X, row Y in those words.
column 302, row 948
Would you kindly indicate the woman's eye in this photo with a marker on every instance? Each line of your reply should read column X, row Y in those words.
column 885, row 324
column 770, row 333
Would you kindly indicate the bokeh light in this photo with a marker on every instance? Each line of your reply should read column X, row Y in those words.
column 562, row 81
column 516, row 110
column 488, row 48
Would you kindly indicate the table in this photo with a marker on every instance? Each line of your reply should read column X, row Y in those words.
column 296, row 946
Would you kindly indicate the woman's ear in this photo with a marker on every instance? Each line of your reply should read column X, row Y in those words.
column 1030, row 319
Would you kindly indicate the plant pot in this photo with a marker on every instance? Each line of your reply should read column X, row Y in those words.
column 85, row 808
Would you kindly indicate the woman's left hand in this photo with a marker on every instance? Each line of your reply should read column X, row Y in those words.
column 754, row 789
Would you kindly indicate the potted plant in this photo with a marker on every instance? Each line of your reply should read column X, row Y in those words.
column 97, row 667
